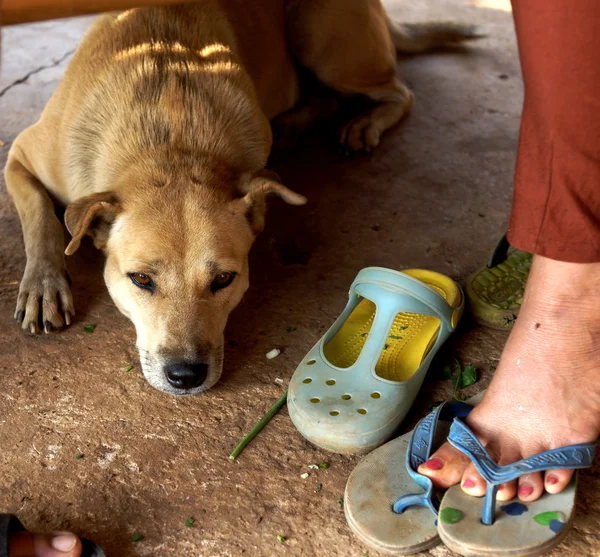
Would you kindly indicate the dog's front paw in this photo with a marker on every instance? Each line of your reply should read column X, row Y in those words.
column 45, row 300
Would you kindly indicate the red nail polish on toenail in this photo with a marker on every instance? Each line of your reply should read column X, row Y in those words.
column 551, row 480
column 468, row 484
column 525, row 490
column 435, row 463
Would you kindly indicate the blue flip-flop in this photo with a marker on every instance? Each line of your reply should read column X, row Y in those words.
column 10, row 524
column 474, row 526
column 390, row 506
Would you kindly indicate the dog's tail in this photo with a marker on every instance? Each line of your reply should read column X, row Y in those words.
column 419, row 37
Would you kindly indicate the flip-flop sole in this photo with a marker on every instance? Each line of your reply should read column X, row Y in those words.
column 375, row 485
column 520, row 529
column 372, row 488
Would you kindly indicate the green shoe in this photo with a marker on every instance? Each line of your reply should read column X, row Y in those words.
column 495, row 292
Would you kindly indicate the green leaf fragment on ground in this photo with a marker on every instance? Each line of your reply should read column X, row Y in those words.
column 189, row 522
column 89, row 328
column 403, row 328
column 31, row 372
column 341, row 501
column 79, row 456
column 546, row 518
column 137, row 538
column 386, row 346
column 281, row 539
column 467, row 377
column 319, row 487
column 448, row 515
column 395, row 337
column 324, row 465
column 128, row 368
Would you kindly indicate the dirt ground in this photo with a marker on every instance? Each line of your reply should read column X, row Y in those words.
column 435, row 194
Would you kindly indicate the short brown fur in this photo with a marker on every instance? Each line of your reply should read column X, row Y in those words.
column 157, row 139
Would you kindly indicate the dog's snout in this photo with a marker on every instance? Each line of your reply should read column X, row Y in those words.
column 186, row 376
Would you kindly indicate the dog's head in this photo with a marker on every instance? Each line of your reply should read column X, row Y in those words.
column 177, row 265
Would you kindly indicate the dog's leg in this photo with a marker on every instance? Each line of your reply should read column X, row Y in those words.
column 394, row 101
column 347, row 45
column 350, row 46
column 315, row 108
column 44, row 299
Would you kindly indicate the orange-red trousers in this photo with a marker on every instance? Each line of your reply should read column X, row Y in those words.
column 556, row 205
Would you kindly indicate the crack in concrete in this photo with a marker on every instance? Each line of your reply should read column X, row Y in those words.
column 37, row 70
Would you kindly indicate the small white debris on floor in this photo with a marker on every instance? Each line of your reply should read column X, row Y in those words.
column 279, row 380
column 273, row 353
column 313, row 466
column 305, row 475
column 518, row 362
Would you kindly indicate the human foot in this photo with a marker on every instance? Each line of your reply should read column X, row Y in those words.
column 546, row 391
column 57, row 544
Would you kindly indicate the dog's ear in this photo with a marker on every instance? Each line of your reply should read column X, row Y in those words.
column 256, row 190
column 93, row 215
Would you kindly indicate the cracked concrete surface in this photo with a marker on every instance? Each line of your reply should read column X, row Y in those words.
column 149, row 461
column 23, row 79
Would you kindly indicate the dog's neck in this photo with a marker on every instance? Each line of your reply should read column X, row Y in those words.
column 172, row 109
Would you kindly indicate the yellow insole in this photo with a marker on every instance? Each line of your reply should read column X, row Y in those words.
column 409, row 340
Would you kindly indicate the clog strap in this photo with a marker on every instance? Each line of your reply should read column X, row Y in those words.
column 394, row 292
column 462, row 438
column 406, row 293
column 420, row 447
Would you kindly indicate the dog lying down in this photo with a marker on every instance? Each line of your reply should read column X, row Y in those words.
column 156, row 140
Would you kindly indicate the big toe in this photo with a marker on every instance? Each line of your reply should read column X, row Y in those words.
column 57, row 544
column 445, row 467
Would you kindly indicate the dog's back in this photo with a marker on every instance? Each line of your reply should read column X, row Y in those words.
column 182, row 76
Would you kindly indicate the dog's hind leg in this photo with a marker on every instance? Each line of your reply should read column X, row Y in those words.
column 350, row 46
column 317, row 104
column 44, row 300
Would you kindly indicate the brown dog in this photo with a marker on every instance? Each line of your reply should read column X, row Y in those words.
column 157, row 140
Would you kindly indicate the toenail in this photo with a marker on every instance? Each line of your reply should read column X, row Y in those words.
column 434, row 463
column 468, row 484
column 551, row 480
column 525, row 490
column 63, row 541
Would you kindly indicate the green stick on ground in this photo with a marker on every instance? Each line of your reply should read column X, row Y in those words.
column 258, row 427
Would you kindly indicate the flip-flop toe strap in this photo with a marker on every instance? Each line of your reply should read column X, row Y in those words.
column 462, row 438
column 420, row 447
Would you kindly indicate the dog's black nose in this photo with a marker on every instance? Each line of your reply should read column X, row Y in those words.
column 186, row 376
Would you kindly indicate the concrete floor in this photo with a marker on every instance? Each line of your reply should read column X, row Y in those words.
column 435, row 194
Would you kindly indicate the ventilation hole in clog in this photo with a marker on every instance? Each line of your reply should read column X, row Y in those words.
column 334, row 413
column 330, row 382
column 315, row 400
column 307, row 380
column 311, row 362
column 375, row 395
column 346, row 397
column 361, row 411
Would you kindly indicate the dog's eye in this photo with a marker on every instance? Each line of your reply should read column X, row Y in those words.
column 222, row 280
column 141, row 280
